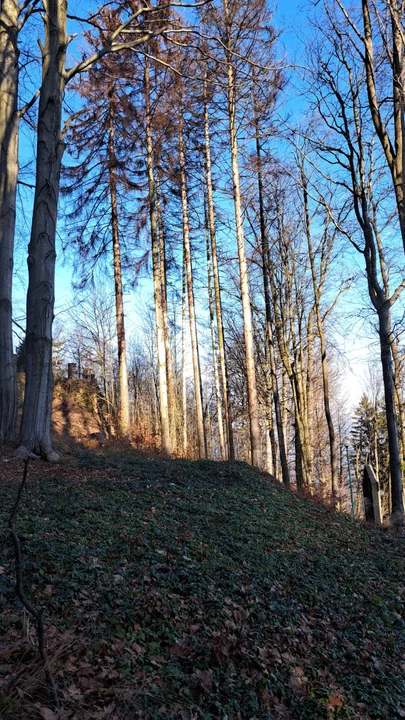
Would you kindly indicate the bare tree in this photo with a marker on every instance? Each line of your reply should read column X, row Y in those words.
column 338, row 94
column 156, row 262
column 35, row 429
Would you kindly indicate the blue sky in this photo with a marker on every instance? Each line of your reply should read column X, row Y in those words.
column 291, row 18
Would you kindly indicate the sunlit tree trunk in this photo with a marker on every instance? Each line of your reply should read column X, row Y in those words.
column 389, row 29
column 399, row 395
column 172, row 400
column 161, row 350
column 183, row 358
column 119, row 305
column 217, row 285
column 253, row 406
column 214, row 351
column 190, row 292
column 8, row 186
column 35, row 434
column 324, row 362
column 283, row 320
column 391, row 416
column 269, row 320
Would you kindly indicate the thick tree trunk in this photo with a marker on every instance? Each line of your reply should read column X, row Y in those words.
column 391, row 415
column 161, row 350
column 217, row 285
column 119, row 305
column 202, row 450
column 253, row 406
column 9, row 120
column 35, row 435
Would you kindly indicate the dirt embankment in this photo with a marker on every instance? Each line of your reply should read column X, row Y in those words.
column 77, row 416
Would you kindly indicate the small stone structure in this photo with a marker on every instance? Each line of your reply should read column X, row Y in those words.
column 371, row 495
column 72, row 370
column 86, row 374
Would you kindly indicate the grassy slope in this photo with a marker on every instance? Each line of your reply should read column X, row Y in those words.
column 200, row 590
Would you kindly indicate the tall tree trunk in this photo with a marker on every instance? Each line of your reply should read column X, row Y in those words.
column 399, row 396
column 35, row 434
column 123, row 417
column 172, row 399
column 217, row 285
column 283, row 315
column 190, row 290
column 183, row 357
column 269, row 320
column 9, row 120
column 214, row 349
column 253, row 406
column 391, row 415
column 321, row 333
column 161, row 350
column 271, row 442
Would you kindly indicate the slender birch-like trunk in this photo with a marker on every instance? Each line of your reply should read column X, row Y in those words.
column 283, row 318
column 123, row 417
column 214, row 347
column 202, row 450
column 161, row 350
column 255, row 436
column 324, row 362
column 267, row 298
column 399, row 395
column 183, row 357
column 9, row 120
column 172, row 400
column 217, row 285
column 35, row 434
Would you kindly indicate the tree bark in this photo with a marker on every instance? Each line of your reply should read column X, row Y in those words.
column 123, row 417
column 321, row 333
column 397, row 516
column 269, row 320
column 9, row 121
column 282, row 316
column 217, row 284
column 172, row 400
column 183, row 357
column 399, row 395
column 35, row 434
column 253, row 406
column 161, row 350
column 394, row 151
column 214, row 348
column 202, row 450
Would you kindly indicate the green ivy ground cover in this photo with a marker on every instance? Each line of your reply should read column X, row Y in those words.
column 179, row 589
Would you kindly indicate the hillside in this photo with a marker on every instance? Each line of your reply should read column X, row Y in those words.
column 179, row 589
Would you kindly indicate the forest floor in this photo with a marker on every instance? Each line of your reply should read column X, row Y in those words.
column 180, row 589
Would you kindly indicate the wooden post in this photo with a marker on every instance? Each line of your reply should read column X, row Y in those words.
column 371, row 494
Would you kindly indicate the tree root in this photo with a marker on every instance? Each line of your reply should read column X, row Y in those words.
column 46, row 453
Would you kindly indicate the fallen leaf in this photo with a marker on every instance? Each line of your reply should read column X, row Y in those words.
column 46, row 713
